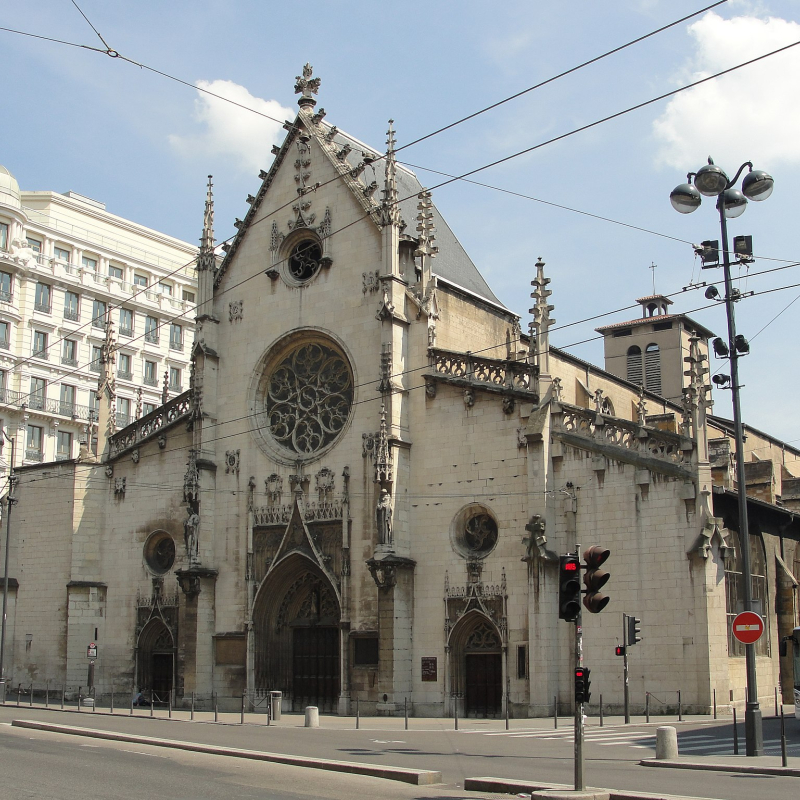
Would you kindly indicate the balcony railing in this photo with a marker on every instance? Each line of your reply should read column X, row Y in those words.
column 174, row 344
column 5, row 344
column 34, row 402
column 125, row 375
column 5, row 297
column 149, row 380
column 175, row 388
column 43, row 307
column 99, row 322
column 71, row 314
column 43, row 354
column 123, row 420
column 69, row 362
column 151, row 337
column 125, row 331
column 33, row 455
column 95, row 366
column 177, row 408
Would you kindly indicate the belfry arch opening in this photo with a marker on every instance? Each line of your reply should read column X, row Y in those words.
column 296, row 633
column 476, row 665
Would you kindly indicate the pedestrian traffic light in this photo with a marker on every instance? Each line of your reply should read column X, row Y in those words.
column 633, row 630
column 595, row 578
column 569, row 588
column 619, row 650
column 582, row 684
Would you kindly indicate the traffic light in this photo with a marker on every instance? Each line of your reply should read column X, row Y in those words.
column 595, row 578
column 569, row 588
column 582, row 693
column 633, row 630
column 619, row 650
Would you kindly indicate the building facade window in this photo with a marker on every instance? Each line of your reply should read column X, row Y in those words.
column 174, row 379
column 33, row 450
column 3, row 236
column 97, row 359
column 126, row 322
column 66, row 405
column 188, row 297
column 63, row 446
column 175, row 337
column 115, row 272
column 89, row 264
column 5, row 335
column 37, row 395
column 148, row 408
column 43, row 296
column 39, row 344
column 98, row 314
column 150, row 375
column 734, row 590
column 125, row 367
column 6, row 287
column 62, row 254
column 72, row 307
column 34, row 244
column 3, row 384
column 634, row 366
column 123, row 412
column 151, row 330
column 652, row 368
column 140, row 281
column 165, row 289
column 69, row 353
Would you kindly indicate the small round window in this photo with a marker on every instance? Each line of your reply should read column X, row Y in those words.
column 474, row 532
column 159, row 552
column 304, row 260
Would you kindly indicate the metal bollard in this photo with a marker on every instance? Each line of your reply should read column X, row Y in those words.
column 555, row 711
column 735, row 735
column 405, row 710
column 783, row 739
column 777, row 714
column 151, row 702
column 111, row 707
column 455, row 715
column 30, row 699
column 131, row 714
column 647, row 706
column 169, row 710
column 47, row 695
column 269, row 710
column 216, row 711
column 80, row 697
column 715, row 703
column 191, row 715
column 241, row 718
column 63, row 694
column 601, row 711
column 19, row 692
column 358, row 709
column 680, row 707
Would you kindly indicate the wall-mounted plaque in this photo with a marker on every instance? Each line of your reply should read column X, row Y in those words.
column 429, row 671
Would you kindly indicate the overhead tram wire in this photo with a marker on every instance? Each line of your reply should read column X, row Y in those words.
column 404, row 390
column 91, row 26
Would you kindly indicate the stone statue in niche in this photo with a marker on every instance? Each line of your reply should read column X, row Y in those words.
column 383, row 516
column 190, row 534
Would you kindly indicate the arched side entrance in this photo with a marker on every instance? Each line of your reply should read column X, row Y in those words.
column 155, row 661
column 476, row 665
column 296, row 635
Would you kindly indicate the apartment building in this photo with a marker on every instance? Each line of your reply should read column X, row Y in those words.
column 65, row 262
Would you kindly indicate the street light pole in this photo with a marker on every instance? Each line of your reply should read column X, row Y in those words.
column 10, row 501
column 754, row 732
column 757, row 185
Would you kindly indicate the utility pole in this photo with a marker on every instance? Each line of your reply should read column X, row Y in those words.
column 625, row 644
column 580, row 783
column 9, row 502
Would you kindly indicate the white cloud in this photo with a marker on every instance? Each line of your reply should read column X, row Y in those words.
column 752, row 113
column 231, row 131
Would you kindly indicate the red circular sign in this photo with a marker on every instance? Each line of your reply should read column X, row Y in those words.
column 748, row 627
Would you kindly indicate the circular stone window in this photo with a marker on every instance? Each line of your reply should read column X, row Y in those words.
column 159, row 552
column 474, row 532
column 304, row 260
column 303, row 397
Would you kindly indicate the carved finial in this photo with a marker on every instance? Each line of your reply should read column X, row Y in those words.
column 641, row 408
column 384, row 467
column 165, row 390
column 542, row 321
column 139, row 402
column 306, row 86
column 390, row 208
column 205, row 258
column 425, row 226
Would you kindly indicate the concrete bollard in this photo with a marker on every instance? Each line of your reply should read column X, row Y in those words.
column 312, row 717
column 666, row 742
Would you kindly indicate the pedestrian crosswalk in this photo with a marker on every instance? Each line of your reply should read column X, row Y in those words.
column 690, row 742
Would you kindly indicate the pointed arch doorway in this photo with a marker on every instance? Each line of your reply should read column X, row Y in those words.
column 476, row 665
column 155, row 661
column 296, row 631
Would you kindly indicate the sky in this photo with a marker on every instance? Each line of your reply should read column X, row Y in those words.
column 594, row 205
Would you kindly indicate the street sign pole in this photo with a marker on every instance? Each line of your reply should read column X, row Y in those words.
column 625, row 643
column 580, row 784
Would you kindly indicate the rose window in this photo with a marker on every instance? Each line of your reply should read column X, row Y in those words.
column 304, row 260
column 306, row 398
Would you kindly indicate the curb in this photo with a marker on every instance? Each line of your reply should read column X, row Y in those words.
column 754, row 769
column 507, row 786
column 416, row 777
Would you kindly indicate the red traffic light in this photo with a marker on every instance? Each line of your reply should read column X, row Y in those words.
column 571, row 566
column 595, row 556
column 619, row 650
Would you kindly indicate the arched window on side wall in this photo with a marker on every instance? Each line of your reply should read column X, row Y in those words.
column 652, row 369
column 634, row 371
column 734, row 590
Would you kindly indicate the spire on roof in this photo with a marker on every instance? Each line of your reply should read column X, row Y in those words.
column 305, row 86
column 206, row 259
column 542, row 321
column 390, row 206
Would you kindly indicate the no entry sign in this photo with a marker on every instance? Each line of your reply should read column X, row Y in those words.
column 748, row 627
